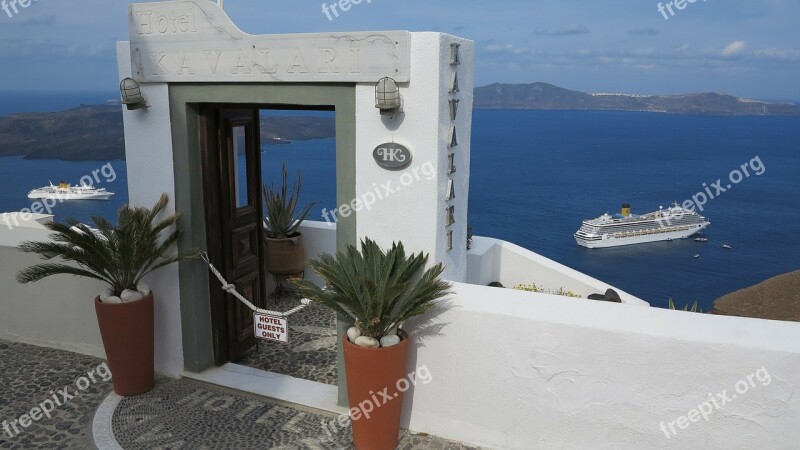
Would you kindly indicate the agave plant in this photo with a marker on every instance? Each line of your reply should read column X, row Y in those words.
column 695, row 307
column 378, row 290
column 280, row 205
column 120, row 255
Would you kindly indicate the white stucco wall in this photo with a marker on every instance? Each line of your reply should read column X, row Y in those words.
column 148, row 151
column 492, row 260
column 415, row 214
column 56, row 312
column 513, row 373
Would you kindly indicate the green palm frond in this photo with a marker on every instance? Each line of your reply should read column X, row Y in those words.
column 378, row 289
column 120, row 255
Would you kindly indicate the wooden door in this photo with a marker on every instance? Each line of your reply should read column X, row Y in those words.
column 232, row 171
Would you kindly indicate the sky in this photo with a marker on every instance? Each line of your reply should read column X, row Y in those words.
column 746, row 48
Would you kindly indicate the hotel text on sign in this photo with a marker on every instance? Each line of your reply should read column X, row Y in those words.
column 191, row 41
column 271, row 328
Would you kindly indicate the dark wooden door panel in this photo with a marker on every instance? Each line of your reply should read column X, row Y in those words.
column 232, row 170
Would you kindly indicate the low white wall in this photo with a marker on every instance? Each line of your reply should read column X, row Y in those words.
column 492, row 260
column 318, row 237
column 56, row 312
column 513, row 373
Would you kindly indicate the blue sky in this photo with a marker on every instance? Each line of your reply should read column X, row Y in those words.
column 746, row 48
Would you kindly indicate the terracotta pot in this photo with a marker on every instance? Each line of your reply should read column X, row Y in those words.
column 286, row 256
column 369, row 372
column 127, row 331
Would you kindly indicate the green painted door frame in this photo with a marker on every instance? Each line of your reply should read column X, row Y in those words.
column 185, row 101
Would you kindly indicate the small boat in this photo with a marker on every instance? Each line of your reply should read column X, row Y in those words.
column 726, row 246
column 701, row 239
column 696, row 256
column 64, row 191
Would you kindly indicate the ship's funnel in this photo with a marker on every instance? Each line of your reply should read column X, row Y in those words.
column 626, row 210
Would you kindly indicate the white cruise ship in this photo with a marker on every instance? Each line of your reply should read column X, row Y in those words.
column 66, row 192
column 675, row 222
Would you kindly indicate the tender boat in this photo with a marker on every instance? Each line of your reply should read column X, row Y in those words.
column 701, row 239
column 726, row 246
column 64, row 191
column 696, row 256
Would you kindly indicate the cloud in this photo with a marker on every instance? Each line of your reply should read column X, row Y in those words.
column 643, row 32
column 734, row 48
column 38, row 20
column 569, row 30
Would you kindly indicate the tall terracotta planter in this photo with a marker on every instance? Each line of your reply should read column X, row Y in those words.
column 369, row 372
column 127, row 331
column 286, row 256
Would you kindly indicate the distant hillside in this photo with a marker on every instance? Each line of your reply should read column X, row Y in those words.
column 549, row 97
column 96, row 133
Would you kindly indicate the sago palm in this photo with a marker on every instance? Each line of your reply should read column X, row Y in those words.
column 120, row 255
column 378, row 290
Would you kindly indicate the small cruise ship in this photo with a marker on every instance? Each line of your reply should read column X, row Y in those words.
column 626, row 228
column 64, row 191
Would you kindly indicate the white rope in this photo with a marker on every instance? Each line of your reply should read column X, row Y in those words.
column 231, row 289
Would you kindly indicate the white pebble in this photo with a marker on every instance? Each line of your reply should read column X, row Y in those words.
column 367, row 342
column 107, row 292
column 112, row 300
column 143, row 288
column 390, row 340
column 130, row 295
column 353, row 333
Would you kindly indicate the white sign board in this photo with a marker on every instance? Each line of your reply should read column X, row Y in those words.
column 271, row 328
column 191, row 41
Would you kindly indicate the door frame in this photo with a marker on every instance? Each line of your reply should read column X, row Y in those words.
column 185, row 101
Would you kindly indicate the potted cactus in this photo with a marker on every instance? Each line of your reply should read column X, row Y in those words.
column 284, row 244
column 379, row 290
column 120, row 256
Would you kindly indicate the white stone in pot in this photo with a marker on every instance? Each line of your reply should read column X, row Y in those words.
column 107, row 292
column 353, row 333
column 112, row 300
column 367, row 342
column 129, row 295
column 143, row 288
column 390, row 340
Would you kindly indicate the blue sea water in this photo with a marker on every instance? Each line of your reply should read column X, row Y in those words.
column 537, row 174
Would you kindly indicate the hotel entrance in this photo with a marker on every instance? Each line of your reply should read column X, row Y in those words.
column 244, row 148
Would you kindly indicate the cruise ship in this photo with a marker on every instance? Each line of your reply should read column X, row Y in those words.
column 625, row 228
column 66, row 192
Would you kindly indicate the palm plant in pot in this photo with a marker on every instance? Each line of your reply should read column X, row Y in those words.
column 285, row 248
column 379, row 290
column 119, row 255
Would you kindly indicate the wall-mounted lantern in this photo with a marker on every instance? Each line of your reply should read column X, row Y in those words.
column 387, row 97
column 131, row 94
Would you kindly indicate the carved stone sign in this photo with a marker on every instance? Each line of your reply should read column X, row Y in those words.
column 195, row 41
column 392, row 156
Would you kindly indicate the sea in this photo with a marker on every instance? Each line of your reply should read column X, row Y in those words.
column 535, row 175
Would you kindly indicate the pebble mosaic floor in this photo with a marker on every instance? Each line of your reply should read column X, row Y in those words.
column 185, row 415
column 311, row 352
column 30, row 376
column 177, row 414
